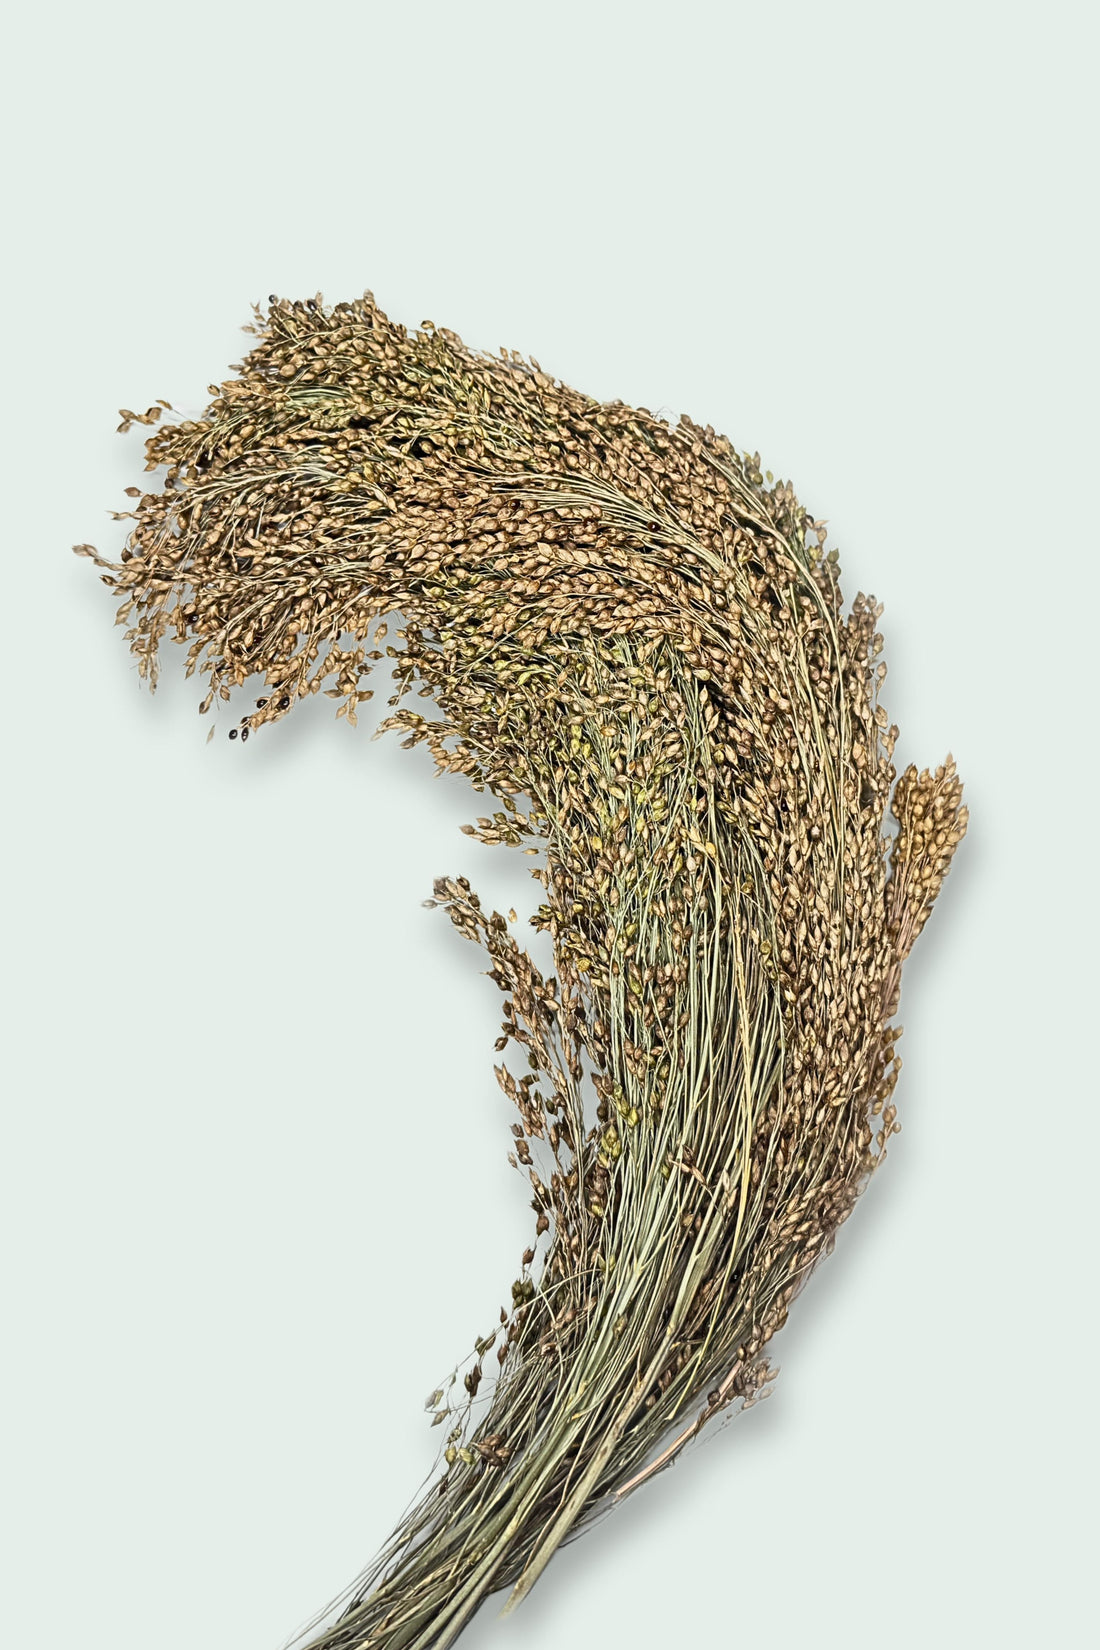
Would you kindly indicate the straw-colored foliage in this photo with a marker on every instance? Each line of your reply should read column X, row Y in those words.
column 635, row 642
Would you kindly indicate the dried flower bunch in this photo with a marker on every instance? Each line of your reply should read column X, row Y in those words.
column 636, row 643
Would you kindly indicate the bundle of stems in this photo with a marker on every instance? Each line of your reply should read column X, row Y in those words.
column 634, row 640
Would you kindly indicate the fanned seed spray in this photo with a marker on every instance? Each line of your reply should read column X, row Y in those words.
column 634, row 641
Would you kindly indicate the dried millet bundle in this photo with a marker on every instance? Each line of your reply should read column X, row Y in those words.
column 635, row 642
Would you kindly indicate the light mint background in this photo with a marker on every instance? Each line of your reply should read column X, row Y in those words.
column 255, row 1195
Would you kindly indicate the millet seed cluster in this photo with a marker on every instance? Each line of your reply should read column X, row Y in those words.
column 635, row 643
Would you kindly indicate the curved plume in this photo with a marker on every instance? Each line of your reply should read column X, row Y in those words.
column 635, row 642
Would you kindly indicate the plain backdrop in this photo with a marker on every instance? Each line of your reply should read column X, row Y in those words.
column 256, row 1200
